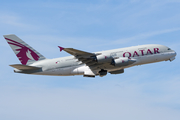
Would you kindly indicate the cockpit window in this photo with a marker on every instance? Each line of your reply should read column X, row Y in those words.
column 169, row 48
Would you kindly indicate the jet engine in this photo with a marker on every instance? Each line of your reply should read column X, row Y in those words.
column 102, row 58
column 122, row 62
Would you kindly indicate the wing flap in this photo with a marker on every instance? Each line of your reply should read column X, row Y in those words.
column 24, row 67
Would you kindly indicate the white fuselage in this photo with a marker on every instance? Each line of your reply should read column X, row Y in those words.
column 142, row 54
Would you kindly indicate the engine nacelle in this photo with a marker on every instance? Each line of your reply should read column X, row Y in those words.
column 103, row 58
column 122, row 62
column 117, row 71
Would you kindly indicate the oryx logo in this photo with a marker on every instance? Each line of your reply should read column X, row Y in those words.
column 24, row 53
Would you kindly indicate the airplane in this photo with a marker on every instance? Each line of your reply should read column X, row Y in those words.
column 88, row 64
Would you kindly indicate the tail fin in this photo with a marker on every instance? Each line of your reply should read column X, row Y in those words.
column 25, row 53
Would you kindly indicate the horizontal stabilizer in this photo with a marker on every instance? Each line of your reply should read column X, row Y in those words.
column 24, row 67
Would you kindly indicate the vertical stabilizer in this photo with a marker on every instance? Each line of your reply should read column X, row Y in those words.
column 25, row 53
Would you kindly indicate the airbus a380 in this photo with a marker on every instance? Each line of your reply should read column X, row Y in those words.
column 86, row 63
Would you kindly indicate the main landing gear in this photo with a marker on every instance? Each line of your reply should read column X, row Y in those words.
column 102, row 72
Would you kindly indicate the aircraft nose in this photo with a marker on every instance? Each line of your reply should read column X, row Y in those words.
column 175, row 53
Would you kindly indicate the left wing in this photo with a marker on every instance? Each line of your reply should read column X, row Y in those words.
column 85, row 57
column 76, row 52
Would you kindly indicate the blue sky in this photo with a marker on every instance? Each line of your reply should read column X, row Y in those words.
column 144, row 92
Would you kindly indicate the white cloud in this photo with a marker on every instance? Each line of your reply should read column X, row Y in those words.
column 137, row 38
column 144, row 35
column 104, row 100
column 13, row 23
column 12, row 20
